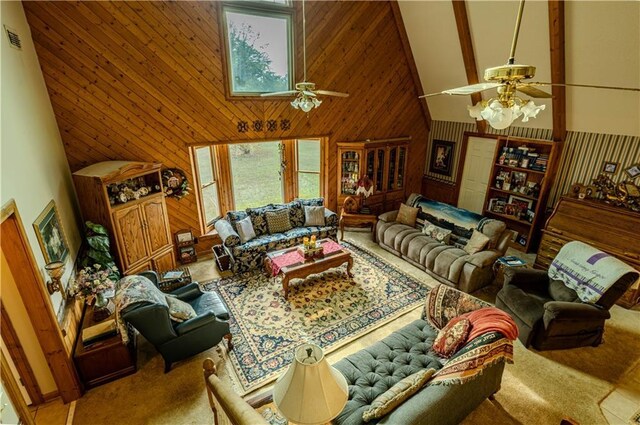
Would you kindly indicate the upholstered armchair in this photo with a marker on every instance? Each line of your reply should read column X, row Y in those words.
column 550, row 315
column 177, row 341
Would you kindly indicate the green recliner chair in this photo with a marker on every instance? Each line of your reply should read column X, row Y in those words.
column 177, row 341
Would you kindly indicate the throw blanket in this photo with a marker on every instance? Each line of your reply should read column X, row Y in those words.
column 131, row 290
column 587, row 271
column 486, row 349
column 491, row 319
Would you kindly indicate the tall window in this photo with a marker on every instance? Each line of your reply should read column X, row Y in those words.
column 259, row 46
column 256, row 173
column 308, row 168
column 208, row 184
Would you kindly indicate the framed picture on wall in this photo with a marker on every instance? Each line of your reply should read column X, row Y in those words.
column 633, row 171
column 610, row 167
column 50, row 235
column 441, row 161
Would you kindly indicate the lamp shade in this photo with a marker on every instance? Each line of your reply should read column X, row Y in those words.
column 311, row 391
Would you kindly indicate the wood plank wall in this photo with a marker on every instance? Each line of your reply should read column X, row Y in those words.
column 143, row 81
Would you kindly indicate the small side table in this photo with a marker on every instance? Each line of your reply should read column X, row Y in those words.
column 171, row 284
column 503, row 263
column 358, row 220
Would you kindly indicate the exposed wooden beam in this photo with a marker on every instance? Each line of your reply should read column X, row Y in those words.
column 556, row 43
column 397, row 15
column 469, row 58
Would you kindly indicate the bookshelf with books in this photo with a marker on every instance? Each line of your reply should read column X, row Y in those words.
column 521, row 177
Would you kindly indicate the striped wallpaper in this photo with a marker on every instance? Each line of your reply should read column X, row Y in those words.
column 582, row 157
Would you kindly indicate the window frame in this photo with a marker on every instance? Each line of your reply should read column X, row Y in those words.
column 258, row 8
column 206, row 226
column 297, row 169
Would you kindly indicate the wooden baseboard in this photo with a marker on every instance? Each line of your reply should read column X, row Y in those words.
column 50, row 396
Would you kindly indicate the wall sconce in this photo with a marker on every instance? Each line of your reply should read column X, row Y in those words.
column 55, row 270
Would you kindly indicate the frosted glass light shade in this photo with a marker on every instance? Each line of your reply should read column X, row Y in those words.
column 311, row 391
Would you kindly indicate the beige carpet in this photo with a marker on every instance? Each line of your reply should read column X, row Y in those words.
column 540, row 388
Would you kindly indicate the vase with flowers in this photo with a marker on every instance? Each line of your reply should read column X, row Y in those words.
column 365, row 188
column 94, row 283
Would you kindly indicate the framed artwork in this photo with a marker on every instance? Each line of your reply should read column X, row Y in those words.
column 610, row 167
column 184, row 236
column 50, row 234
column 441, row 161
column 518, row 180
column 524, row 204
column 633, row 171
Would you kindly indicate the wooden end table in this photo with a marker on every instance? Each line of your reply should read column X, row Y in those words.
column 307, row 267
column 358, row 220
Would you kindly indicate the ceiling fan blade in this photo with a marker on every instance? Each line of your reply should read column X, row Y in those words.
column 279, row 93
column 592, row 86
column 308, row 93
column 466, row 90
column 332, row 93
column 532, row 91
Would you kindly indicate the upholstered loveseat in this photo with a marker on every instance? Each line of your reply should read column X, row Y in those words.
column 459, row 384
column 250, row 255
column 448, row 263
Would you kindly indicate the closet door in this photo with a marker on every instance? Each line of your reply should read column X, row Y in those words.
column 475, row 175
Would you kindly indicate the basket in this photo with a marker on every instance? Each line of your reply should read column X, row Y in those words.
column 222, row 258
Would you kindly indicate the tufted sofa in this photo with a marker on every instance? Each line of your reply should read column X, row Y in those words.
column 443, row 400
column 448, row 263
column 250, row 255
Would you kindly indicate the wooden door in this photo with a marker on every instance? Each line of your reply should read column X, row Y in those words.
column 476, row 172
column 164, row 261
column 130, row 235
column 156, row 224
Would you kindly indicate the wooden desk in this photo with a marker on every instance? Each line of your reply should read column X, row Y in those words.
column 103, row 361
column 358, row 220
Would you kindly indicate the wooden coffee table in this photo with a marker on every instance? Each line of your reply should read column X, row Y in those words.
column 304, row 268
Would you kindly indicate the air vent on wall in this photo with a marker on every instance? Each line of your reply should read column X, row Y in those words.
column 14, row 38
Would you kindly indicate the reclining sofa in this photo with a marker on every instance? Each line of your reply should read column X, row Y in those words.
column 250, row 255
column 448, row 263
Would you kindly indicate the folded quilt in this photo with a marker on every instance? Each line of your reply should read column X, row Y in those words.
column 587, row 270
column 131, row 290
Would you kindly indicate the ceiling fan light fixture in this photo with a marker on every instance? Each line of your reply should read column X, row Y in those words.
column 531, row 110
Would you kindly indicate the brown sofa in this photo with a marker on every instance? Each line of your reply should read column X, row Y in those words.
column 448, row 263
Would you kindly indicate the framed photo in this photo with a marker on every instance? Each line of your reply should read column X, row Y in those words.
column 441, row 161
column 521, row 240
column 524, row 204
column 518, row 180
column 50, row 234
column 633, row 171
column 512, row 209
column 610, row 167
column 184, row 236
column 498, row 206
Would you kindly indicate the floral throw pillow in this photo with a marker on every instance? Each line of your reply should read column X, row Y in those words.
column 452, row 337
column 179, row 310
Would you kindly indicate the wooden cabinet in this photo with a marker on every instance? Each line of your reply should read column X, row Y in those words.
column 522, row 175
column 611, row 229
column 139, row 229
column 384, row 162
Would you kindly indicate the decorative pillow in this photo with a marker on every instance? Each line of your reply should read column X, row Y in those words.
column 397, row 394
column 234, row 216
column 180, row 310
column 296, row 213
column 313, row 216
column 311, row 202
column 493, row 229
column 452, row 337
column 245, row 229
column 407, row 215
column 258, row 219
column 437, row 233
column 278, row 221
column 477, row 242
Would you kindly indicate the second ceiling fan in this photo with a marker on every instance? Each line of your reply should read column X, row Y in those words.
column 306, row 95
column 500, row 112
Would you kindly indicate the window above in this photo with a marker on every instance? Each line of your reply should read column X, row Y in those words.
column 258, row 39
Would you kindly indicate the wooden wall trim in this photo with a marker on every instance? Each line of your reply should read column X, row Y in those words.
column 35, row 297
column 556, row 43
column 468, row 56
column 402, row 31
column 13, row 391
column 20, row 361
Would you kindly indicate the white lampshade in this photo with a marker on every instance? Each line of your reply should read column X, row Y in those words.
column 311, row 391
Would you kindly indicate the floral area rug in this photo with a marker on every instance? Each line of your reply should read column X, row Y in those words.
column 329, row 309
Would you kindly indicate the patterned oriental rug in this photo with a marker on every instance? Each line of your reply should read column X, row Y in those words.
column 328, row 309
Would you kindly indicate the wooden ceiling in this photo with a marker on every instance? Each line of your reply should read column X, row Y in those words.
column 144, row 80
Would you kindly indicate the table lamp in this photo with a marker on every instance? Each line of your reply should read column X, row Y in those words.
column 311, row 391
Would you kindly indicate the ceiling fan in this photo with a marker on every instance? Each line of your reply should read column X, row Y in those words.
column 501, row 111
column 305, row 92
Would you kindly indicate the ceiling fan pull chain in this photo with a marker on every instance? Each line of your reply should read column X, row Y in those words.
column 512, row 55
